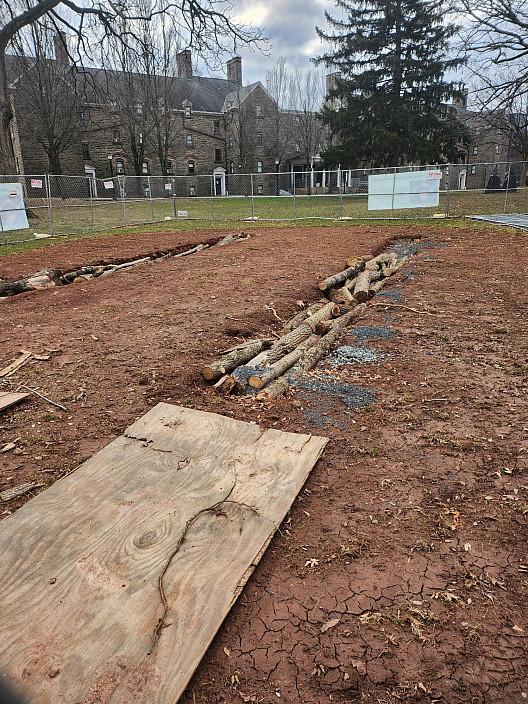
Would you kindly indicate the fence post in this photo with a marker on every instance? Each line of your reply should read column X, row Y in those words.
column 252, row 200
column 90, row 190
column 121, row 181
column 448, row 189
column 212, row 198
column 174, row 197
column 150, row 198
column 294, row 196
column 48, row 197
column 507, row 176
column 393, row 189
column 340, row 193
column 4, row 236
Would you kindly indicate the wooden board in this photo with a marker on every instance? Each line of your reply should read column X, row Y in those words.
column 114, row 581
column 8, row 398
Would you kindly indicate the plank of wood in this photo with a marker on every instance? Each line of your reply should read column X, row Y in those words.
column 9, row 398
column 125, row 569
column 14, row 366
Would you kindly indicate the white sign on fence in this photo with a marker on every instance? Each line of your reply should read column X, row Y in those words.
column 168, row 186
column 108, row 185
column 36, row 183
column 182, row 213
column 12, row 209
column 412, row 189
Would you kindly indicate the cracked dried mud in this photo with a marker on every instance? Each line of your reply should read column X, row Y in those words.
column 401, row 571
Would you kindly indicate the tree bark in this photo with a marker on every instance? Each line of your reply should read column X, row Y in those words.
column 278, row 368
column 342, row 276
column 307, row 362
column 341, row 296
column 233, row 359
column 42, row 279
column 376, row 262
column 299, row 317
column 361, row 289
column 288, row 342
column 327, row 311
column 342, row 322
column 393, row 268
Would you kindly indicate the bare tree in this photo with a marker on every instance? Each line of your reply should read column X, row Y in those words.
column 280, row 85
column 46, row 92
column 204, row 24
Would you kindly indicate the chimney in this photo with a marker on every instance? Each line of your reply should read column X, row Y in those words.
column 60, row 42
column 331, row 81
column 234, row 71
column 461, row 100
column 184, row 61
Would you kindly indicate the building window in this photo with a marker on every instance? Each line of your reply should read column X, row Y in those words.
column 117, row 137
column 120, row 166
column 168, row 167
column 190, row 167
column 139, row 108
column 260, row 189
column 231, row 167
column 218, row 155
column 258, row 110
column 230, row 139
column 259, row 140
column 473, row 169
column 475, row 151
column 216, row 126
column 85, row 150
column 189, row 140
column 145, row 168
column 188, row 111
column 140, row 137
column 82, row 116
column 192, row 190
column 259, row 167
column 497, row 149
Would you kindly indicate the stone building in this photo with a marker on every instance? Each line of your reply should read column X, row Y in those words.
column 211, row 127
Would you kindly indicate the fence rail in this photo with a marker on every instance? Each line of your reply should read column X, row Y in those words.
column 38, row 206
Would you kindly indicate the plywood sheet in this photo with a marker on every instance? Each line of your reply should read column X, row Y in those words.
column 8, row 398
column 114, row 581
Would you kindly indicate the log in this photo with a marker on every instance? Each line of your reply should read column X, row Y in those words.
column 278, row 368
column 265, row 341
column 72, row 275
column 297, row 319
column 233, row 359
column 376, row 262
column 288, row 342
column 126, row 265
column 46, row 278
column 361, row 289
column 389, row 263
column 19, row 490
column 341, row 296
column 389, row 271
column 342, row 322
column 352, row 261
column 329, row 310
column 342, row 276
column 198, row 248
column 307, row 362
column 376, row 286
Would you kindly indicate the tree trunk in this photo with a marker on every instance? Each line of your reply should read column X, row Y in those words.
column 298, row 319
column 342, row 276
column 342, row 322
column 42, row 279
column 393, row 268
column 341, row 296
column 307, row 362
column 288, row 342
column 327, row 311
column 362, row 287
column 232, row 360
column 7, row 157
column 258, row 381
column 376, row 262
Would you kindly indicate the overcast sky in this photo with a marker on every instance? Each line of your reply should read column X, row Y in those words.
column 290, row 27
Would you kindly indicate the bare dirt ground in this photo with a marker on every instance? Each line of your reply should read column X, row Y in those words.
column 401, row 572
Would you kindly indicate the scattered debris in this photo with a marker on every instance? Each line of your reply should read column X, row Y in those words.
column 8, row 399
column 20, row 490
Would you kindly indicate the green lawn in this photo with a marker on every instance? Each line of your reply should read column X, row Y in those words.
column 76, row 219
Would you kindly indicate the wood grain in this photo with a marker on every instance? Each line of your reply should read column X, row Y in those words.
column 114, row 581
column 8, row 398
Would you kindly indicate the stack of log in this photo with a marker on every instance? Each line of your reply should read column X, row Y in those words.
column 269, row 367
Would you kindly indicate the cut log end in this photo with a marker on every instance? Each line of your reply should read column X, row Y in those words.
column 322, row 285
column 361, row 296
column 209, row 373
column 256, row 382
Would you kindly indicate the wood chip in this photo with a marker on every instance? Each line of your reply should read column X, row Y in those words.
column 329, row 624
column 14, row 366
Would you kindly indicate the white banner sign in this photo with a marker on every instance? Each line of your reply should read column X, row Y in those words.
column 36, row 183
column 168, row 186
column 108, row 185
column 182, row 213
column 434, row 175
column 412, row 189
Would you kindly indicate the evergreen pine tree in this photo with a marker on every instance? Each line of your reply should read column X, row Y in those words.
column 388, row 106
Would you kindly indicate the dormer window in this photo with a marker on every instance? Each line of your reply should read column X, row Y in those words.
column 187, row 111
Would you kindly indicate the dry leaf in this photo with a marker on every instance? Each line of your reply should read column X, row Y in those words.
column 312, row 562
column 227, row 652
column 517, row 629
column 467, row 547
column 330, row 624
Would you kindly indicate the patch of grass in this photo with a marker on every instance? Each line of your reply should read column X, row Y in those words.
column 421, row 545
column 472, row 634
column 352, row 548
column 501, row 331
column 372, row 451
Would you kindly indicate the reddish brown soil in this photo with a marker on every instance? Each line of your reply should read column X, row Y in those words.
column 409, row 537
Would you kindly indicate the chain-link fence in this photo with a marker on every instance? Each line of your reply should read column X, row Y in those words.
column 39, row 206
